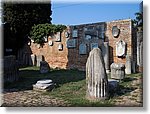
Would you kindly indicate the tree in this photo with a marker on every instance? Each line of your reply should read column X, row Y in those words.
column 139, row 20
column 20, row 18
column 38, row 32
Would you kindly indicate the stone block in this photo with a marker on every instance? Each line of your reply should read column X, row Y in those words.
column 105, row 51
column 117, row 71
column 120, row 48
column 128, row 64
column 43, row 85
column 113, row 85
column 71, row 43
column 75, row 33
column 82, row 49
column 44, row 67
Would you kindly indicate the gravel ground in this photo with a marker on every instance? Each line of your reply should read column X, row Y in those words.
column 30, row 98
column 133, row 98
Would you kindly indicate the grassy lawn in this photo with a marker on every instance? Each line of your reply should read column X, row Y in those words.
column 71, row 85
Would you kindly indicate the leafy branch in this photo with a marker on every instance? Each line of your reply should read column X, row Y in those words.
column 39, row 31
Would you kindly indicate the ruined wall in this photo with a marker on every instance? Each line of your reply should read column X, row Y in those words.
column 78, row 41
column 56, row 58
column 125, row 27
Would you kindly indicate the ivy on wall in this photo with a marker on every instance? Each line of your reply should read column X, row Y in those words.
column 38, row 32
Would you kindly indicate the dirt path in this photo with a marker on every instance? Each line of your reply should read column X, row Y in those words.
column 133, row 98
column 30, row 98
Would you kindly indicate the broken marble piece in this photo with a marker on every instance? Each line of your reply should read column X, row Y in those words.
column 105, row 51
column 58, row 37
column 75, row 33
column 117, row 71
column 113, row 85
column 44, row 67
column 39, row 58
column 43, row 85
column 128, row 65
column 60, row 47
column 82, row 49
column 96, row 77
column 33, row 59
column 120, row 48
column 50, row 43
column 71, row 43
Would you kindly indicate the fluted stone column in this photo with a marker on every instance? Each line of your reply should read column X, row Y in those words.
column 128, row 64
column 105, row 51
column 140, row 50
column 141, row 54
column 39, row 59
column 96, row 77
column 33, row 59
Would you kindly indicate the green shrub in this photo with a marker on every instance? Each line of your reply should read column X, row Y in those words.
column 38, row 32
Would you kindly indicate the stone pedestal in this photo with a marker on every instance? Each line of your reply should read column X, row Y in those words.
column 105, row 51
column 128, row 66
column 133, row 66
column 113, row 85
column 43, row 85
column 44, row 67
column 96, row 77
column 117, row 71
column 141, row 58
column 140, row 50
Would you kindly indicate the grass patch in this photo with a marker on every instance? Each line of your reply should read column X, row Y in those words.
column 71, row 85
column 30, row 75
column 74, row 93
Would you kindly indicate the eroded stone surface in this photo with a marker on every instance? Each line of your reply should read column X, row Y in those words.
column 117, row 71
column 120, row 48
column 43, row 85
column 44, row 67
column 39, row 59
column 97, row 81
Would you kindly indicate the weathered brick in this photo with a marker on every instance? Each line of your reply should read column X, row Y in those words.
column 70, row 58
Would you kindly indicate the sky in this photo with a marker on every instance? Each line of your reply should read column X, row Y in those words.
column 84, row 11
column 75, row 13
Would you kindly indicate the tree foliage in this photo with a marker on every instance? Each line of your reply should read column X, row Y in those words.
column 138, row 21
column 39, row 31
column 21, row 17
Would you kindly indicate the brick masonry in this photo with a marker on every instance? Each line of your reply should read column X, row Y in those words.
column 69, row 58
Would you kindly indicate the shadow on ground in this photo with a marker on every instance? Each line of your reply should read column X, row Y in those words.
column 124, row 88
column 29, row 76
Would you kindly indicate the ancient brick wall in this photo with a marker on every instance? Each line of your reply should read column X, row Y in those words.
column 125, row 27
column 54, row 57
column 86, row 34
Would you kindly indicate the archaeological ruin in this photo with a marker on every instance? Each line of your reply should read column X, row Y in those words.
column 70, row 49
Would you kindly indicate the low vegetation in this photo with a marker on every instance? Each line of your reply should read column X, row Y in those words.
column 40, row 31
column 70, row 85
